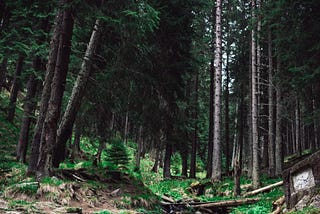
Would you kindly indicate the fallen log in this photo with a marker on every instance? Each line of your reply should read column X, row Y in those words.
column 278, row 205
column 263, row 189
column 228, row 203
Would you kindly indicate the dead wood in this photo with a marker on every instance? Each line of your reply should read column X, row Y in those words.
column 228, row 203
column 277, row 205
column 263, row 189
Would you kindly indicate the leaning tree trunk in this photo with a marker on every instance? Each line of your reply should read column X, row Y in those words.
column 78, row 92
column 254, row 107
column 270, row 109
column 57, row 90
column 28, row 112
column 216, row 160
column 15, row 89
column 45, row 96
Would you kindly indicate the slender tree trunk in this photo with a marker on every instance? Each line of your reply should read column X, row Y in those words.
column 157, row 156
column 28, row 111
column 167, row 160
column 45, row 96
column 210, row 140
column 77, row 139
column 270, row 109
column 15, row 89
column 216, row 160
column 139, row 149
column 314, row 141
column 195, row 132
column 254, row 116
column 78, row 92
column 3, row 72
column 227, row 131
column 297, row 126
column 278, row 142
column 57, row 90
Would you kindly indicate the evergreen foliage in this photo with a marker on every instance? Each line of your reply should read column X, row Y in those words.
column 117, row 154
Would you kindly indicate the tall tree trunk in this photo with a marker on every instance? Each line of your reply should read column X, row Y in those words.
column 195, row 132
column 297, row 126
column 139, row 149
column 157, row 156
column 216, row 160
column 254, row 115
column 210, row 140
column 3, row 72
column 78, row 92
column 270, row 109
column 28, row 111
column 167, row 160
column 57, row 90
column 278, row 142
column 227, row 131
column 15, row 89
column 45, row 96
column 314, row 141
column 77, row 139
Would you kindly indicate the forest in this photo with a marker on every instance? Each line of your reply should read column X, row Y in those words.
column 156, row 106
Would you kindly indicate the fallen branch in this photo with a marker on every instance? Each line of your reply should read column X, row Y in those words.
column 229, row 203
column 278, row 204
column 263, row 189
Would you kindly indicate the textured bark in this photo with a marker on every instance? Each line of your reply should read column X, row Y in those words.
column 15, row 89
column 57, row 89
column 254, row 107
column 28, row 113
column 78, row 91
column 314, row 142
column 216, row 160
column 139, row 149
column 3, row 72
column 271, row 145
column 210, row 140
column 278, row 141
column 45, row 96
column 227, row 131
column 167, row 160
column 195, row 132
column 297, row 127
column 76, row 142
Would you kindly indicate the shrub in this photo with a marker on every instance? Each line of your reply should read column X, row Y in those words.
column 117, row 154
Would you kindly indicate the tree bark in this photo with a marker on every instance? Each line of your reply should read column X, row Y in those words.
column 45, row 96
column 78, row 91
column 57, row 89
column 297, row 126
column 227, row 131
column 271, row 145
column 278, row 141
column 139, row 149
column 195, row 132
column 3, row 72
column 28, row 112
column 216, row 160
column 210, row 140
column 15, row 89
column 254, row 116
column 167, row 160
